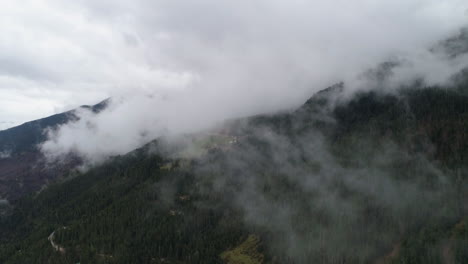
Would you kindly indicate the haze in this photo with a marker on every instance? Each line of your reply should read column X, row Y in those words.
column 179, row 66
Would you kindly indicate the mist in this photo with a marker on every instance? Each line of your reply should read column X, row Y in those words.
column 316, row 199
column 4, row 154
column 193, row 65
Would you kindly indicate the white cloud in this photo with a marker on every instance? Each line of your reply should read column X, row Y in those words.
column 4, row 154
column 200, row 61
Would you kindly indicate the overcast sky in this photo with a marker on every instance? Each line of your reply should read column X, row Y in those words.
column 228, row 57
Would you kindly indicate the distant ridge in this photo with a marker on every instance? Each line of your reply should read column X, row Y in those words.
column 23, row 168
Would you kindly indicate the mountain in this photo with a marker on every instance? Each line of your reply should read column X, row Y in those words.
column 23, row 168
column 377, row 177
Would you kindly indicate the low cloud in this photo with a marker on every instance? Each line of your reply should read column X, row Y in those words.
column 5, row 124
column 4, row 154
column 314, row 199
column 177, row 66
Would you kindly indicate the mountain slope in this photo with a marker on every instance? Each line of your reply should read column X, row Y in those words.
column 369, row 179
column 22, row 166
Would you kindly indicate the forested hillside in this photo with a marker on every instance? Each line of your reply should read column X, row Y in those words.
column 375, row 178
column 23, row 167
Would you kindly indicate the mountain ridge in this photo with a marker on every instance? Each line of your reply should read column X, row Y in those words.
column 374, row 167
column 23, row 168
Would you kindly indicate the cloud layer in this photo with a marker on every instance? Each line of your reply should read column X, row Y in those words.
column 178, row 66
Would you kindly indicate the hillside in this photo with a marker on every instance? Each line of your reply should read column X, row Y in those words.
column 23, row 168
column 376, row 178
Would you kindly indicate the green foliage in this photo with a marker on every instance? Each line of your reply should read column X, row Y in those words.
column 113, row 214
column 148, row 208
column 245, row 253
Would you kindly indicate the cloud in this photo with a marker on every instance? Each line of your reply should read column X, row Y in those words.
column 311, row 197
column 181, row 65
column 4, row 154
column 5, row 124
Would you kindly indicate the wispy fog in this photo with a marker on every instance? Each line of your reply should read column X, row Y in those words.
column 179, row 66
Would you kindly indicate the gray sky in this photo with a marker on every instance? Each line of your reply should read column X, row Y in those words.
column 181, row 63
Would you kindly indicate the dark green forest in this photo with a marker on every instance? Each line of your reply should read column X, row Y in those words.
column 376, row 178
